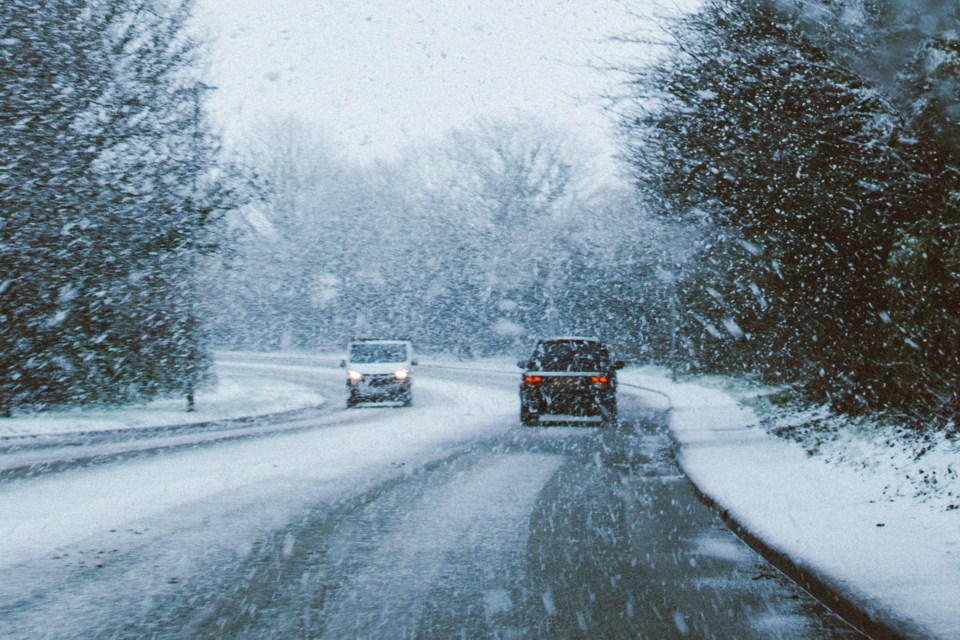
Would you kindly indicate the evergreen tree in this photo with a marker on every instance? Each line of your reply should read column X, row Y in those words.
column 798, row 174
column 108, row 188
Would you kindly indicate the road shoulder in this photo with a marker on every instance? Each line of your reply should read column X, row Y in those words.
column 889, row 567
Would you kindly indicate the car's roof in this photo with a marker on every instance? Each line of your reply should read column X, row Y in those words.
column 571, row 339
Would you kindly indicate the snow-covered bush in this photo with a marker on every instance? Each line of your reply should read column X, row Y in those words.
column 106, row 194
column 813, row 194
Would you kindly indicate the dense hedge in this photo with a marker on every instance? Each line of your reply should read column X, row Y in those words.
column 827, row 214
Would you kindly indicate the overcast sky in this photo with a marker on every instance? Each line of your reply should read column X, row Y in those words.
column 377, row 74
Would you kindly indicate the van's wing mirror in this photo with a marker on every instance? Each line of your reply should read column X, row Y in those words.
column 343, row 363
column 414, row 362
column 522, row 364
column 619, row 364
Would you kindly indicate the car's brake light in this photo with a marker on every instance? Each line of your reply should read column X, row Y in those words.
column 600, row 379
column 533, row 379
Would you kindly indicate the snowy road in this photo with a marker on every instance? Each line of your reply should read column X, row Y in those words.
column 446, row 519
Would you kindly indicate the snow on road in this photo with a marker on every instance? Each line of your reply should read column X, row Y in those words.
column 485, row 511
column 51, row 512
column 150, row 522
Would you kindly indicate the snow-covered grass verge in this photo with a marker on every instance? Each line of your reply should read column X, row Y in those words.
column 916, row 465
column 236, row 394
column 864, row 508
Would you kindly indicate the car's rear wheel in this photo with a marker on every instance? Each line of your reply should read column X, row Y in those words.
column 528, row 418
column 609, row 409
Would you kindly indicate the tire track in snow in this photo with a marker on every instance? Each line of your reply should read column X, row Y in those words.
column 485, row 511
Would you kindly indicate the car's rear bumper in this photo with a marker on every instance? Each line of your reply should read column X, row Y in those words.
column 566, row 399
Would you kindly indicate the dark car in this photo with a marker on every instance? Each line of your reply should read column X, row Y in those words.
column 569, row 379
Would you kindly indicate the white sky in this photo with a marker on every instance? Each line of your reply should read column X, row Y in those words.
column 377, row 74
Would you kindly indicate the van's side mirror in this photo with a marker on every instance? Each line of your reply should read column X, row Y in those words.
column 522, row 364
column 414, row 362
column 343, row 363
column 619, row 364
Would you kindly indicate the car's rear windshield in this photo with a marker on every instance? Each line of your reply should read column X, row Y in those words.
column 366, row 353
column 570, row 355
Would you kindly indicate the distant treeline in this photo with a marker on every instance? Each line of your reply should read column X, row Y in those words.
column 473, row 245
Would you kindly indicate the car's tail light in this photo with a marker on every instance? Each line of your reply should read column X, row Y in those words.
column 401, row 374
column 599, row 382
column 532, row 379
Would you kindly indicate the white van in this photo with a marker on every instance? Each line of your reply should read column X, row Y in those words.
column 379, row 371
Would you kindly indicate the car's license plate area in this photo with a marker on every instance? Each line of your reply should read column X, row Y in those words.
column 568, row 394
column 566, row 382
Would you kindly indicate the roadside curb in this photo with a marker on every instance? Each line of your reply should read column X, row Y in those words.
column 876, row 623
column 874, row 626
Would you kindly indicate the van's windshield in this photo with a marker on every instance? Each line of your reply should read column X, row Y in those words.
column 367, row 353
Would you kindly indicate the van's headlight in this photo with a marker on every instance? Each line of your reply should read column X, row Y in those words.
column 402, row 374
column 354, row 376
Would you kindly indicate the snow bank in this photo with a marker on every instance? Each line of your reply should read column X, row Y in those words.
column 897, row 559
column 236, row 394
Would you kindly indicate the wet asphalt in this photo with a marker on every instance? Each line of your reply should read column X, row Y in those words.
column 546, row 532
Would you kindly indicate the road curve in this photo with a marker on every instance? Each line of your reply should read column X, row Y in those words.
column 444, row 520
